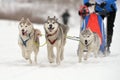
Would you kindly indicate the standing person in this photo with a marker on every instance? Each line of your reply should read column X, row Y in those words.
column 103, row 6
column 65, row 17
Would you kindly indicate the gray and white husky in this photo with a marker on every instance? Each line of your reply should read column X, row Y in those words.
column 55, row 37
column 28, row 39
column 89, row 42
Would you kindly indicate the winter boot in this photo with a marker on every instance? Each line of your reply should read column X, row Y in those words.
column 109, row 40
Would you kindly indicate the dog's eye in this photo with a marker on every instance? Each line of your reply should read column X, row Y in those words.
column 87, row 36
column 25, row 26
column 48, row 22
column 53, row 22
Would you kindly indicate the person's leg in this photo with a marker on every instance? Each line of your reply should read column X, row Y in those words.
column 110, row 25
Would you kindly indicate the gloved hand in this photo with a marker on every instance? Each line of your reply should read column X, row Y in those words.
column 88, row 4
column 102, row 4
column 112, row 7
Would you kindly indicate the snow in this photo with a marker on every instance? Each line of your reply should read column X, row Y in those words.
column 14, row 67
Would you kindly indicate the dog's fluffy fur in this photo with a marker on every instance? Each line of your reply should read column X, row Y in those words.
column 89, row 42
column 55, row 37
column 28, row 39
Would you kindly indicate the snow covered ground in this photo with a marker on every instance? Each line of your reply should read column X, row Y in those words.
column 14, row 67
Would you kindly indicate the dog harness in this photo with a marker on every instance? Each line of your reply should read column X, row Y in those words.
column 25, row 41
column 52, row 42
column 86, row 46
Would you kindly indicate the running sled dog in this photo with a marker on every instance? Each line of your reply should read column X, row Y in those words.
column 55, row 37
column 89, row 42
column 28, row 39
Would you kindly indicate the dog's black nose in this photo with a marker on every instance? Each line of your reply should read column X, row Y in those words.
column 50, row 26
column 86, row 42
column 22, row 30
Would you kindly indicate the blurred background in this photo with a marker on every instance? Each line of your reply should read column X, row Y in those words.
column 39, row 10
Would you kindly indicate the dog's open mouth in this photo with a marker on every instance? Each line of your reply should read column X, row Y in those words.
column 86, row 42
column 24, row 33
column 50, row 29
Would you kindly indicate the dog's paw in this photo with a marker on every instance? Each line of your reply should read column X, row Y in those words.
column 30, row 61
column 26, row 58
column 85, row 58
column 58, row 62
column 80, row 60
column 51, row 60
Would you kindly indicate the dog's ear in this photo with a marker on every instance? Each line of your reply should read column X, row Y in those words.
column 55, row 18
column 22, row 19
column 48, row 17
column 89, row 30
column 28, row 20
column 81, row 32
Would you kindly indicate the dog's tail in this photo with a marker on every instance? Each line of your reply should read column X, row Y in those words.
column 37, row 34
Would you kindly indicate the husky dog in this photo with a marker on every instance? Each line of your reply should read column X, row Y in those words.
column 28, row 39
column 89, row 42
column 55, row 37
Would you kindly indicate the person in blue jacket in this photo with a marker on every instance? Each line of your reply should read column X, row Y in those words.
column 108, row 9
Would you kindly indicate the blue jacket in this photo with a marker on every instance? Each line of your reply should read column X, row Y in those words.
column 110, row 5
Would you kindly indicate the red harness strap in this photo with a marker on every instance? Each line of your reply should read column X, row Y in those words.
column 52, row 42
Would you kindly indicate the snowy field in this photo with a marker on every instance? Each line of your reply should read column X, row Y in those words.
column 14, row 67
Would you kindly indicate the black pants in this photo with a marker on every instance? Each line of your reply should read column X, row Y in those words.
column 110, row 24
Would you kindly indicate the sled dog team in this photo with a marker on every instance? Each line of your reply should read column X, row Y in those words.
column 55, row 34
